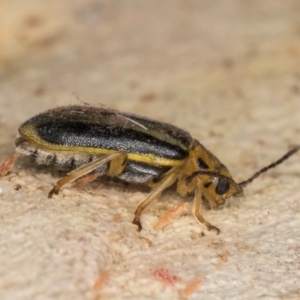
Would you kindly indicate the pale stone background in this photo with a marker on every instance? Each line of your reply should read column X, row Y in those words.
column 228, row 72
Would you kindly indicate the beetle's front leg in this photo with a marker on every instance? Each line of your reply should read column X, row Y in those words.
column 197, row 206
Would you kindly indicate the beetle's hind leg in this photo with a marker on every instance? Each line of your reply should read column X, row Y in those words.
column 168, row 179
column 197, row 205
column 117, row 164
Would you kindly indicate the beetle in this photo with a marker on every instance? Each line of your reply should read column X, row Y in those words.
column 135, row 149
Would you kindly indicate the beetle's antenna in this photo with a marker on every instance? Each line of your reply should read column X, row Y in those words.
column 272, row 165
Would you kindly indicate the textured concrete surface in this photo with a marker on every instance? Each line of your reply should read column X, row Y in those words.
column 228, row 72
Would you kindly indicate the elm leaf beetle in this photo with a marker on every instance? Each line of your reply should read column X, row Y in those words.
column 91, row 140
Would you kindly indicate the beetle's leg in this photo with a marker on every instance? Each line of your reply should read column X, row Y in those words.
column 186, row 185
column 155, row 181
column 197, row 205
column 165, row 182
column 90, row 167
column 117, row 164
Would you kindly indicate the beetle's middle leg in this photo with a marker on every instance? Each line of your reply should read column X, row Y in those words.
column 117, row 164
column 168, row 179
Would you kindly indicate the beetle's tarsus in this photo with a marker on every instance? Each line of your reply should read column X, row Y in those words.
column 211, row 227
column 137, row 222
column 53, row 192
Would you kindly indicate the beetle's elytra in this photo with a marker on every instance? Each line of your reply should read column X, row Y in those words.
column 132, row 148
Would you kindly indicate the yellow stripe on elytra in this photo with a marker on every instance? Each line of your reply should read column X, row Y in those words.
column 29, row 133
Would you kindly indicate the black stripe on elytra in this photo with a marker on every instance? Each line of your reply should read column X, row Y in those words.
column 78, row 134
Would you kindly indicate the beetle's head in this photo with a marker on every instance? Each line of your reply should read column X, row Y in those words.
column 217, row 188
column 217, row 183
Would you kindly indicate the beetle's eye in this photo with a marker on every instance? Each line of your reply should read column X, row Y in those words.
column 222, row 186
